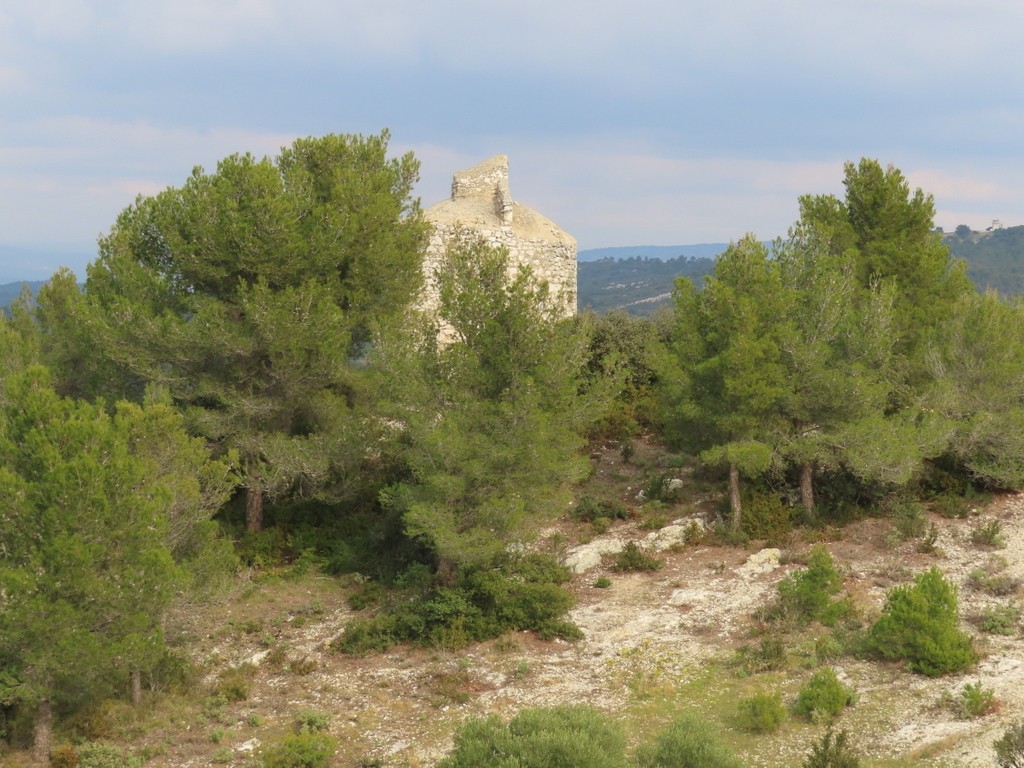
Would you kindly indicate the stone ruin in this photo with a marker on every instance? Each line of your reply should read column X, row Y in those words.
column 481, row 204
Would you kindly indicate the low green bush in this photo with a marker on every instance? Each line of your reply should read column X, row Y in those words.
column 297, row 750
column 563, row 736
column 766, row 518
column 951, row 505
column 975, row 700
column 993, row 579
column 807, row 594
column 103, row 755
column 832, row 751
column 988, row 534
column 769, row 655
column 686, row 743
column 907, row 515
column 761, row 713
column 1000, row 619
column 588, row 509
column 823, row 697
column 311, row 721
column 633, row 558
column 521, row 593
column 1010, row 747
column 660, row 487
column 919, row 624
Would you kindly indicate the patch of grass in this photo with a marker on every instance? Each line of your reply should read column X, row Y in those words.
column 602, row 582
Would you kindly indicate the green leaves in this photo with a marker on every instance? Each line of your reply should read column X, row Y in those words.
column 87, row 570
column 249, row 293
column 919, row 624
column 492, row 419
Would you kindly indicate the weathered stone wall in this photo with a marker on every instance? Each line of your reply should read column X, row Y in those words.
column 481, row 203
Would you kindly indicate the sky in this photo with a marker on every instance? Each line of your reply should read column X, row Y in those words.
column 639, row 122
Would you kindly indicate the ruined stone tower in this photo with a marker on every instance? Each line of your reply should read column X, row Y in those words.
column 481, row 203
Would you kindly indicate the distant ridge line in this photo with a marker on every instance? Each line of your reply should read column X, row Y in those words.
column 664, row 252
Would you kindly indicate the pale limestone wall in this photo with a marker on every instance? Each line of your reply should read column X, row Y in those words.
column 481, row 203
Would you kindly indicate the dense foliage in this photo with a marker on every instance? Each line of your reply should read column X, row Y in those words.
column 919, row 624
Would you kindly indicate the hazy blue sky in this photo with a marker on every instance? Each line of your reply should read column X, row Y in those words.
column 639, row 122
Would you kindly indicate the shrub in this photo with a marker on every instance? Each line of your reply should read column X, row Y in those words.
column 1010, row 747
column 234, row 683
column 833, row 751
column 991, row 578
column 311, row 721
column 807, row 594
column 298, row 750
column 522, row 593
column 769, row 655
column 686, row 743
column 988, row 534
column 566, row 736
column 1000, row 619
column 766, row 517
column 975, row 701
column 64, row 756
column 633, row 558
column 919, row 625
column 907, row 516
column 762, row 712
column 827, row 648
column 928, row 545
column 602, row 582
column 823, row 697
column 588, row 509
column 660, row 488
column 951, row 505
column 102, row 755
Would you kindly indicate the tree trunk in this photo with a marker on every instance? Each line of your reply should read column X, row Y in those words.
column 734, row 496
column 136, row 687
column 42, row 732
column 254, row 509
column 807, row 488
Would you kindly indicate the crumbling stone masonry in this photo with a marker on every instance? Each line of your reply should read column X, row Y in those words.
column 481, row 203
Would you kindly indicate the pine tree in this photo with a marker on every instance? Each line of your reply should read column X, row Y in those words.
column 249, row 294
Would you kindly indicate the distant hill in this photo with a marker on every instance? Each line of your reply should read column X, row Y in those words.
column 638, row 285
column 640, row 278
column 663, row 252
column 995, row 259
column 10, row 291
